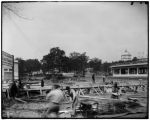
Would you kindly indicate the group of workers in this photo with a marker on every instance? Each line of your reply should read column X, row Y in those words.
column 55, row 98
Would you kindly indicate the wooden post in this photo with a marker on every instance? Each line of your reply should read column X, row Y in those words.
column 41, row 91
column 13, row 70
column 7, row 91
column 28, row 94
column 20, row 100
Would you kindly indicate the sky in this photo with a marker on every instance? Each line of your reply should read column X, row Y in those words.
column 101, row 29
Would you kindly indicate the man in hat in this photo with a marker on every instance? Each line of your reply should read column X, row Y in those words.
column 55, row 98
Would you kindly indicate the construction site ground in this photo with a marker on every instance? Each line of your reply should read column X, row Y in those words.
column 34, row 108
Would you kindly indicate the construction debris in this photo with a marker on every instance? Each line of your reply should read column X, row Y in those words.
column 95, row 101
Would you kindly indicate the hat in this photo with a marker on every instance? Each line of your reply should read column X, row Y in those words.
column 67, row 88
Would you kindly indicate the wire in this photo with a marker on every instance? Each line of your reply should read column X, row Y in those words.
column 13, row 11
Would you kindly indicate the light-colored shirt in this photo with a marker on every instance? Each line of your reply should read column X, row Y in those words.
column 73, row 93
column 55, row 96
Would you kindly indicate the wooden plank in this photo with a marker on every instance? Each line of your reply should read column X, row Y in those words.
column 18, row 99
column 112, row 116
column 36, row 100
column 77, row 87
column 80, row 91
column 65, row 111
column 97, row 98
column 95, row 90
column 100, row 90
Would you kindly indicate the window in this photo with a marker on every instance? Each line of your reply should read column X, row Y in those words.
column 143, row 70
column 133, row 71
column 116, row 71
column 10, row 70
column 124, row 71
column 5, row 69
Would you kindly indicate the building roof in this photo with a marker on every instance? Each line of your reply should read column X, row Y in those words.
column 126, row 53
column 131, row 63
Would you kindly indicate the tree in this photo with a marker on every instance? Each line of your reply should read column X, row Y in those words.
column 32, row 65
column 106, row 68
column 83, row 59
column 66, row 64
column 53, row 60
column 22, row 67
column 95, row 63
column 78, row 62
column 134, row 59
column 28, row 66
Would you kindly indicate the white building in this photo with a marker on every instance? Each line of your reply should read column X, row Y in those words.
column 10, row 71
column 126, row 56
column 131, row 69
column 7, row 67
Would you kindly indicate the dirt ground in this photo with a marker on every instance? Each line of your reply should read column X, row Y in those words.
column 35, row 109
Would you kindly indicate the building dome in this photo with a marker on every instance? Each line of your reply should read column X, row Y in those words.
column 126, row 56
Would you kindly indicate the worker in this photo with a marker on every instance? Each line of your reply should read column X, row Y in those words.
column 20, row 84
column 74, row 97
column 115, row 91
column 13, row 90
column 55, row 98
column 135, row 89
column 93, row 78
column 115, row 87
column 42, row 83
column 104, row 78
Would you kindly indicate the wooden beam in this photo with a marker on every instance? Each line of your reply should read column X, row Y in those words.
column 27, row 93
column 111, row 116
column 79, row 87
column 18, row 99
column 41, row 91
column 7, row 91
column 97, row 98
column 95, row 90
column 100, row 90
column 80, row 91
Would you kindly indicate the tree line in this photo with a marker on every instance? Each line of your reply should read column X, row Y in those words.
column 56, row 60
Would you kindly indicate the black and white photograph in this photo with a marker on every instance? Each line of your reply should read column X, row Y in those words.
column 75, row 59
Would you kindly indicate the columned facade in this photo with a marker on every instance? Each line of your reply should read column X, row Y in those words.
column 130, row 70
